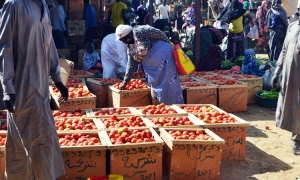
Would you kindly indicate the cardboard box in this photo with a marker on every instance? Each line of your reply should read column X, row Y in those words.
column 127, row 98
column 75, row 15
column 82, row 162
column 233, row 98
column 72, row 103
column 234, row 135
column 66, row 67
column 2, row 157
column 76, row 27
column 100, row 89
column 136, row 160
column 191, row 159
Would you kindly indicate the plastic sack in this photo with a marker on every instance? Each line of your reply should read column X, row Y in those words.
column 183, row 63
column 267, row 79
column 218, row 24
column 253, row 33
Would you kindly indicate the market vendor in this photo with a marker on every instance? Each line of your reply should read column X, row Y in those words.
column 250, row 65
column 288, row 106
column 91, row 59
column 113, row 55
column 28, row 57
column 152, row 48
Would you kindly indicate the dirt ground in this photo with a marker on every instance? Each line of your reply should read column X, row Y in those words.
column 268, row 152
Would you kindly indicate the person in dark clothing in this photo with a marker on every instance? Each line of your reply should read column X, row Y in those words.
column 212, row 60
column 178, row 16
column 141, row 13
column 161, row 24
column 91, row 24
column 58, row 18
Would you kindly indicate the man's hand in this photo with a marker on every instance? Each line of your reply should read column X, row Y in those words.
column 274, row 81
column 9, row 103
column 63, row 91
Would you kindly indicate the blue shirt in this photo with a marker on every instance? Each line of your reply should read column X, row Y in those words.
column 58, row 17
column 275, row 20
column 90, row 17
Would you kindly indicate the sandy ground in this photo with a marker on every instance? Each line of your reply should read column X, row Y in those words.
column 268, row 152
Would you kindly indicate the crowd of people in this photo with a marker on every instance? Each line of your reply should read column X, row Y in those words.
column 28, row 55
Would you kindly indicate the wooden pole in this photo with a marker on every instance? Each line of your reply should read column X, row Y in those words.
column 197, row 34
column 151, row 12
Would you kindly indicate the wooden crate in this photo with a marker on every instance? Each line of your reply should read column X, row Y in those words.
column 64, row 113
column 65, row 53
column 234, row 135
column 76, row 74
column 191, row 159
column 92, row 112
column 196, row 122
column 123, row 117
column 76, row 27
column 72, row 103
column 81, row 162
column 201, row 95
column 233, row 98
column 94, row 120
column 138, row 110
column 136, row 161
column 75, row 15
column 255, row 85
column 127, row 98
column 100, row 89
column 178, row 108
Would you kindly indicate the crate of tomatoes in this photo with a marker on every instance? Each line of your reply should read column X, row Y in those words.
column 199, row 92
column 135, row 151
column 230, row 128
column 84, row 154
column 191, row 153
column 104, row 112
column 255, row 84
column 79, row 96
column 232, row 94
column 136, row 93
column 2, row 154
column 99, row 87
column 81, row 74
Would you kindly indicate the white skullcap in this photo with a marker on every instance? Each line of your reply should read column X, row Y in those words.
column 122, row 31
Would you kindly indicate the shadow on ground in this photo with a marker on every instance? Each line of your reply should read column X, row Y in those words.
column 256, row 162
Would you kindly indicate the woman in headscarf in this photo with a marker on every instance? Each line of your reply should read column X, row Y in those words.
column 235, row 17
column 262, row 26
column 151, row 47
column 250, row 66
column 91, row 59
column 277, row 24
column 212, row 60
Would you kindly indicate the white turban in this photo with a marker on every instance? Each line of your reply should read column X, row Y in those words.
column 122, row 31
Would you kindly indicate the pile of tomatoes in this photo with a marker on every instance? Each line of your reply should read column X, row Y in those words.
column 199, row 135
column 187, row 80
column 244, row 76
column 216, row 117
column 225, row 72
column 74, row 80
column 117, row 122
column 2, row 141
column 69, row 113
column 198, row 109
column 78, row 139
column 75, row 124
column 126, row 136
column 111, row 111
column 157, row 109
column 200, row 73
column 133, row 84
column 171, row 121
column 108, row 80
column 75, row 90
column 195, row 84
column 79, row 72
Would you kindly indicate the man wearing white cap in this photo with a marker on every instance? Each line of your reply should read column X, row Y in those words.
column 114, row 57
column 152, row 49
